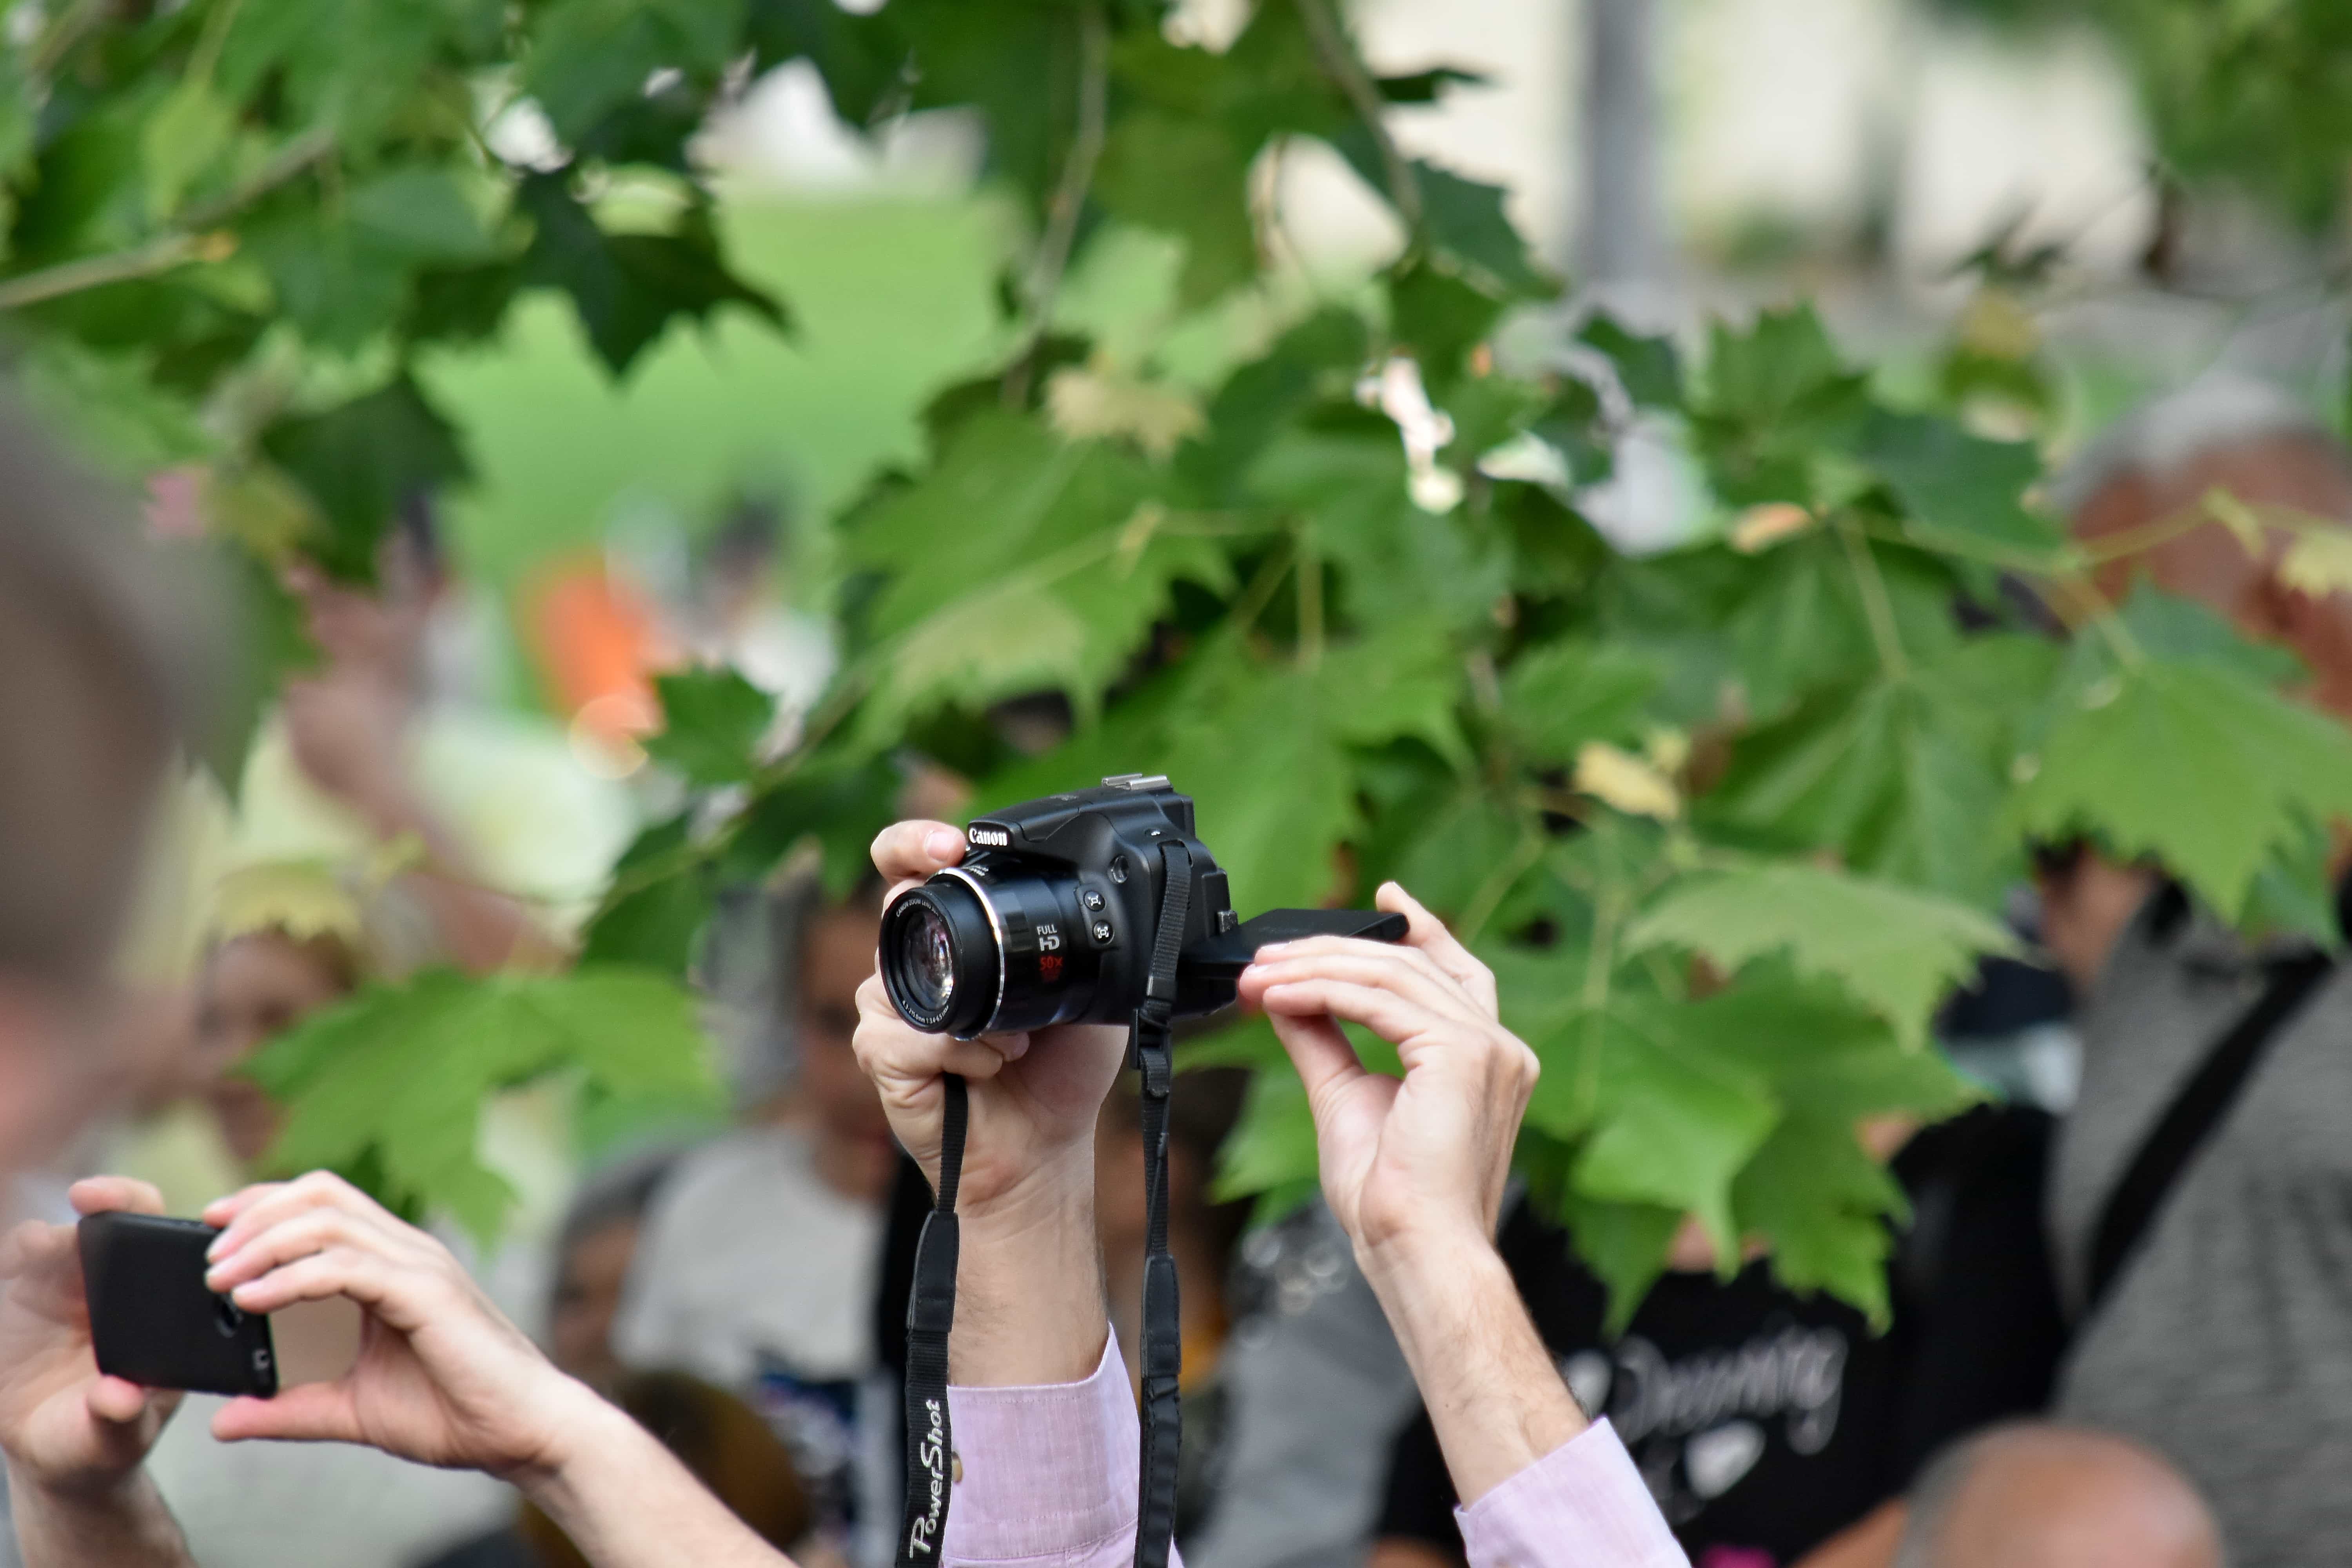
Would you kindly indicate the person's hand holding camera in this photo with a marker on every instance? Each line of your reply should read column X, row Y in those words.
column 441, row 1378
column 1414, row 1169
column 65, row 1425
column 445, row 1379
column 1031, row 1307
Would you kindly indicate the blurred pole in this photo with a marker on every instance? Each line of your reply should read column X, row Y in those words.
column 1625, row 230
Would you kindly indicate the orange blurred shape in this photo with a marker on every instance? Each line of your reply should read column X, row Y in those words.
column 596, row 641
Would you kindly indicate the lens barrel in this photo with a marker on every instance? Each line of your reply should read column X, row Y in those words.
column 941, row 961
column 996, row 946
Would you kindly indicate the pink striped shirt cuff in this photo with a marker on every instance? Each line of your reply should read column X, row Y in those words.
column 1048, row 1472
column 1582, row 1504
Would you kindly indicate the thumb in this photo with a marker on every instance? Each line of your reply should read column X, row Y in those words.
column 314, row 1413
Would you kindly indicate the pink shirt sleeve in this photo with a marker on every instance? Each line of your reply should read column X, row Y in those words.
column 1583, row 1503
column 1046, row 1475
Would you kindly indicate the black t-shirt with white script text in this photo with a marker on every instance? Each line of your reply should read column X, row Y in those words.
column 1765, row 1421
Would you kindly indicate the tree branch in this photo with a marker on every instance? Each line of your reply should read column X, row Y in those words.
column 1069, row 199
column 1339, row 62
column 185, row 240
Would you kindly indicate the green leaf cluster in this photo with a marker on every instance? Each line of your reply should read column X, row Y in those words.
column 388, row 1087
column 1727, row 820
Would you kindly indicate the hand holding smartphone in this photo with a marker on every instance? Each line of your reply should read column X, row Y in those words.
column 151, row 1319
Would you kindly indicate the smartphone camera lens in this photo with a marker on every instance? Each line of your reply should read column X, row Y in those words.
column 227, row 1317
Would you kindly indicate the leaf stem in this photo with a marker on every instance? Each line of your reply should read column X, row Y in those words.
column 1069, row 199
column 1346, row 71
column 183, row 242
column 1499, row 883
column 160, row 255
column 1310, row 605
column 1877, row 608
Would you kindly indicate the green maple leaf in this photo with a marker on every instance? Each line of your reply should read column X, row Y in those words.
column 1895, row 950
column 1316, row 360
column 653, row 912
column 1016, row 527
column 1662, row 1113
column 1466, row 224
column 1267, row 754
column 363, row 460
column 1893, row 776
column 1439, row 315
column 1777, row 396
column 1396, row 560
column 1650, row 369
column 628, row 288
column 356, row 64
column 1562, row 694
column 711, row 719
column 393, row 1080
column 2209, row 773
column 1186, row 175
column 842, row 801
column 1824, row 1205
column 861, row 57
column 1957, row 483
column 589, row 56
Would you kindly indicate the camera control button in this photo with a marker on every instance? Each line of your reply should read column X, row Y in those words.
column 1102, row 932
column 1092, row 899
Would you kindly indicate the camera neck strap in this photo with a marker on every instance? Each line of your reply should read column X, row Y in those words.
column 931, row 1306
column 1151, row 1046
column 931, row 1314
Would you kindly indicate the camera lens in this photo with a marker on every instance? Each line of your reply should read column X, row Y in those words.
column 941, row 962
column 993, row 946
column 930, row 969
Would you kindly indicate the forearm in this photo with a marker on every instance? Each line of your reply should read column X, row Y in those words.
column 123, row 1526
column 627, row 1502
column 1030, row 1304
column 1493, row 1393
column 481, row 929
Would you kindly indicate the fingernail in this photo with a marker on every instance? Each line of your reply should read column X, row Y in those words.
column 1275, row 948
column 219, row 1249
column 943, row 844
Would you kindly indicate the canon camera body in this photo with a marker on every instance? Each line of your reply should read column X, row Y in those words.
column 1055, row 914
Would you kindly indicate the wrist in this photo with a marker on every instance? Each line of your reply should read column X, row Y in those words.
column 79, row 1487
column 1491, row 1387
column 584, row 1432
column 1030, row 1308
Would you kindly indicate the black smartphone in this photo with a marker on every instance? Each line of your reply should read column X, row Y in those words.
column 152, row 1321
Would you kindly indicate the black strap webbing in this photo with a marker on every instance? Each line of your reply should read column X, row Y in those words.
column 2190, row 1118
column 930, row 1307
column 931, row 1314
column 1152, row 1048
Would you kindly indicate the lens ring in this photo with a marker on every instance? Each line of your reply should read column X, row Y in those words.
column 940, row 956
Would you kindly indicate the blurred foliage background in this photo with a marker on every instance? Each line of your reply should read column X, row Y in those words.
column 1713, row 673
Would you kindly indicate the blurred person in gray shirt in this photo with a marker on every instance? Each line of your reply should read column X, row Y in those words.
column 2224, row 1341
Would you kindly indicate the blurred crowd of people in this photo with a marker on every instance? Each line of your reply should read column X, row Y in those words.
column 740, row 1291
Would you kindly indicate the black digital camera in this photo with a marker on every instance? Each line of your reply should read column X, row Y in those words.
column 1056, row 917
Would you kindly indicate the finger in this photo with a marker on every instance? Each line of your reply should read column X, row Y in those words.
column 312, row 1413
column 300, row 1235
column 223, row 1211
column 1426, row 933
column 1400, row 1022
column 1410, row 975
column 910, row 851
column 102, row 1195
column 257, row 1208
column 1325, row 1060
column 402, row 1296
